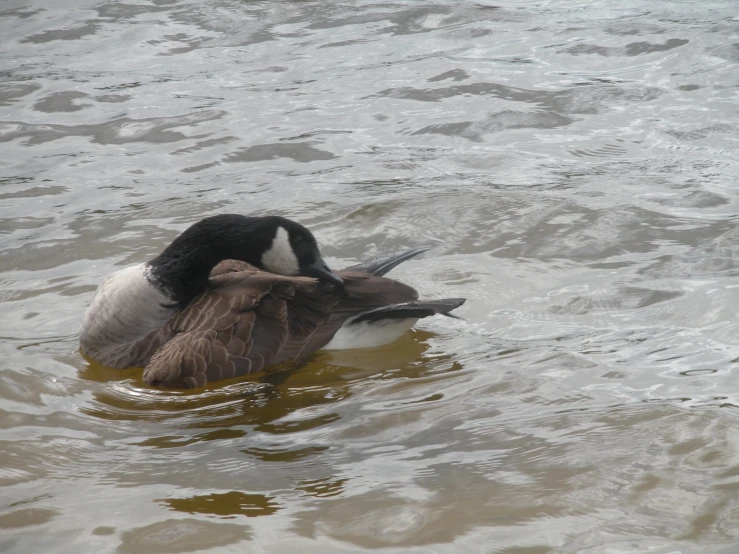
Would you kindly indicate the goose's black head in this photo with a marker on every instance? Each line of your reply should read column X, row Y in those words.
column 271, row 243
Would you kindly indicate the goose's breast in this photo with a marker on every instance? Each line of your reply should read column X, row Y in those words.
column 126, row 307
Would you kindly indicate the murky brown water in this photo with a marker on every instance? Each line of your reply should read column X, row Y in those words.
column 573, row 162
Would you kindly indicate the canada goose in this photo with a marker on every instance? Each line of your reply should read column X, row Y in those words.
column 233, row 293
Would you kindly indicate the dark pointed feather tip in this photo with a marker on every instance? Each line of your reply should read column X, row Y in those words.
column 459, row 302
column 454, row 316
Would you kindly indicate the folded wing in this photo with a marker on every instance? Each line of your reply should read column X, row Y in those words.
column 248, row 319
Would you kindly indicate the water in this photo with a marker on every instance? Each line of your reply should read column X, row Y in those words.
column 574, row 164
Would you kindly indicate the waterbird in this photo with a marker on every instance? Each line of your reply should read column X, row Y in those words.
column 234, row 293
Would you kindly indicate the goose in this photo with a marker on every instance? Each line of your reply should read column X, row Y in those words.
column 234, row 293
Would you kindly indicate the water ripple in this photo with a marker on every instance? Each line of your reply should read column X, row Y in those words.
column 573, row 167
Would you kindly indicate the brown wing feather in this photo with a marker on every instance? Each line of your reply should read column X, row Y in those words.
column 212, row 336
column 306, row 315
column 248, row 319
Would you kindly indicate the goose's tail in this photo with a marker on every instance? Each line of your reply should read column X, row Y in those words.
column 415, row 310
column 386, row 324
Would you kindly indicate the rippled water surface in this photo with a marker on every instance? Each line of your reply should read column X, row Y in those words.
column 573, row 163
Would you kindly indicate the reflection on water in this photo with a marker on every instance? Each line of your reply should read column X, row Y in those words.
column 573, row 166
column 229, row 504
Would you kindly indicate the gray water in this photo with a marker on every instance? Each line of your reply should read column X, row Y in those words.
column 574, row 165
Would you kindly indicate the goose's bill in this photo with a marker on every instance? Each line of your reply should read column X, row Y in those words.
column 320, row 271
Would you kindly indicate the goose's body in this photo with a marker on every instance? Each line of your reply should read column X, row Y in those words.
column 239, row 317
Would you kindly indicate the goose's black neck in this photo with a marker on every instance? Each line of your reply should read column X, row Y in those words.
column 183, row 268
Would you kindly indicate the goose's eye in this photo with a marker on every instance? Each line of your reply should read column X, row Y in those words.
column 299, row 240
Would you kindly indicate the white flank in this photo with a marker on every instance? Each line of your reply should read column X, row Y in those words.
column 369, row 334
column 280, row 258
column 125, row 308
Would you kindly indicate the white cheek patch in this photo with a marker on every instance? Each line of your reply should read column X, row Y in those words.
column 280, row 258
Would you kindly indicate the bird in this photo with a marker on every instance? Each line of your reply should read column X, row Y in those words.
column 235, row 293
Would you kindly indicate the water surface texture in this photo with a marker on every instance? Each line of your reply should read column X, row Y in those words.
column 574, row 165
